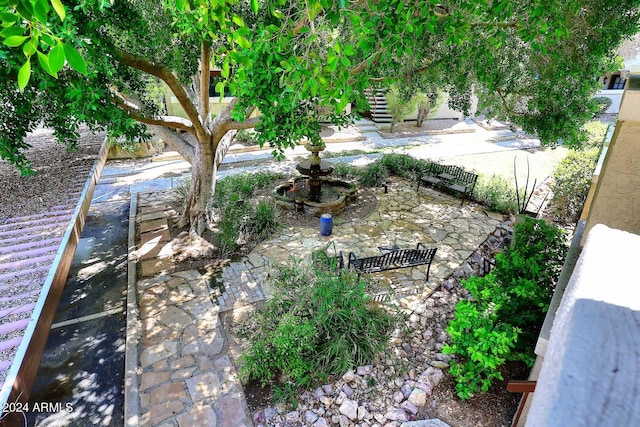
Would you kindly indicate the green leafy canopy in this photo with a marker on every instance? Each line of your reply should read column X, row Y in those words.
column 531, row 63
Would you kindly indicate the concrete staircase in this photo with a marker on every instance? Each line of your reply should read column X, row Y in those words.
column 379, row 107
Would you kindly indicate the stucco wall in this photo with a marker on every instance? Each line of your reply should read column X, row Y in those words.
column 590, row 374
column 616, row 200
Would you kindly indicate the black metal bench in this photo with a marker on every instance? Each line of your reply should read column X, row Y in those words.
column 394, row 258
column 449, row 177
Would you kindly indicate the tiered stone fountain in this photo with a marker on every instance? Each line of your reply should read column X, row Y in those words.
column 313, row 192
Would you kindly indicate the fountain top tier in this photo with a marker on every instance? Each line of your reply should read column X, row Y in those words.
column 307, row 168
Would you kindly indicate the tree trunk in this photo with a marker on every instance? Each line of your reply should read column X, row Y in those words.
column 422, row 114
column 195, row 208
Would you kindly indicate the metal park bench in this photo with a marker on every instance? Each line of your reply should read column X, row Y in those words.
column 449, row 177
column 393, row 258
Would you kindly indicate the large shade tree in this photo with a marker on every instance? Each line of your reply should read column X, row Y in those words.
column 533, row 63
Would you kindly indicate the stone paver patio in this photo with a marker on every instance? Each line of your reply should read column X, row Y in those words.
column 404, row 217
column 186, row 378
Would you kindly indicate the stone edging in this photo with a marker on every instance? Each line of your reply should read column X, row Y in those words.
column 131, row 385
column 387, row 135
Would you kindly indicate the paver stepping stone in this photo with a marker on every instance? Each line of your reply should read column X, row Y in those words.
column 162, row 411
column 151, row 379
column 154, row 225
column 154, row 248
column 198, row 416
column 175, row 318
column 211, row 344
column 153, row 266
column 168, row 392
column 151, row 355
column 231, row 410
column 203, row 386
column 156, row 236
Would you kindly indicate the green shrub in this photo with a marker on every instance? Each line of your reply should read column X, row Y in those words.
column 238, row 220
column 427, row 105
column 404, row 165
column 502, row 321
column 571, row 183
column 355, row 152
column 345, row 170
column 399, row 105
column 247, row 136
column 603, row 103
column 496, row 193
column 373, row 175
column 262, row 222
column 243, row 185
column 480, row 340
column 595, row 133
column 232, row 215
column 319, row 323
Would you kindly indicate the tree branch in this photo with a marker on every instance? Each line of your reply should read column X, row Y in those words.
column 223, row 147
column 175, row 141
column 371, row 60
column 174, row 122
column 223, row 123
column 513, row 24
column 163, row 73
column 508, row 108
column 205, row 67
column 135, row 112
column 246, row 124
column 301, row 24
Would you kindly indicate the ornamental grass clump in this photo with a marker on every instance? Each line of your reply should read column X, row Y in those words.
column 502, row 321
column 404, row 165
column 373, row 175
column 319, row 323
column 238, row 220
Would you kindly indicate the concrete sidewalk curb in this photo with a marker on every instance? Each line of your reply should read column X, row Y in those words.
column 172, row 155
column 131, row 385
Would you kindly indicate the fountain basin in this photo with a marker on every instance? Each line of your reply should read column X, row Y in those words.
column 335, row 196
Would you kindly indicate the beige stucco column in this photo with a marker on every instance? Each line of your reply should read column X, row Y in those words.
column 616, row 201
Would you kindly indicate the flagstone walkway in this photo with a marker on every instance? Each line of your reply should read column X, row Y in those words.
column 185, row 376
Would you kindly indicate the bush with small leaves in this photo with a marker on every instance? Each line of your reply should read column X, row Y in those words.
column 502, row 320
column 603, row 103
column 496, row 193
column 345, row 170
column 247, row 136
column 571, row 183
column 399, row 105
column 404, row 165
